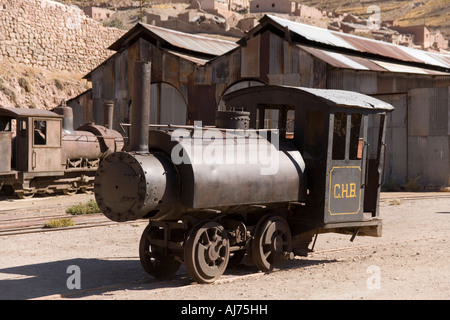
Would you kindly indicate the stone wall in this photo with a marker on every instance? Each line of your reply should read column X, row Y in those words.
column 48, row 34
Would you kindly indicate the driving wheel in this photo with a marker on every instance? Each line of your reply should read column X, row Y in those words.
column 272, row 243
column 206, row 252
column 155, row 260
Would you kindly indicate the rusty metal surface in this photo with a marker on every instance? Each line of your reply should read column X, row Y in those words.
column 191, row 58
column 348, row 43
column 345, row 61
column 194, row 43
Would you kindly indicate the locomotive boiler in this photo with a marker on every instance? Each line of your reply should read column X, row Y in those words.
column 42, row 153
column 217, row 196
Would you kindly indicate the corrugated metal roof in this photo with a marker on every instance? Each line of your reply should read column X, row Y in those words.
column 346, row 61
column 191, row 42
column 172, row 39
column 196, row 60
column 357, row 44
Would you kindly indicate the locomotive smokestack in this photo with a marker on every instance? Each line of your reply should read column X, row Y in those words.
column 67, row 121
column 108, row 114
column 140, row 107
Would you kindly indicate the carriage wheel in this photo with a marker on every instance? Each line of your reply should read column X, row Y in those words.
column 153, row 259
column 87, row 189
column 206, row 252
column 70, row 191
column 25, row 194
column 272, row 243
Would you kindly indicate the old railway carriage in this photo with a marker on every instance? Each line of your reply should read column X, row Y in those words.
column 208, row 214
column 40, row 152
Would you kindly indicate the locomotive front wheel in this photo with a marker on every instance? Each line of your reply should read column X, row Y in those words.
column 272, row 243
column 153, row 259
column 206, row 252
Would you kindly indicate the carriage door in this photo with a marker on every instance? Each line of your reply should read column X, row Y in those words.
column 346, row 167
column 45, row 153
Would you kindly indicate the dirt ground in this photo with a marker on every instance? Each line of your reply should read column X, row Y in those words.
column 410, row 261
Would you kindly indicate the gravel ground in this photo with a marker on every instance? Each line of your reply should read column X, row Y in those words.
column 410, row 261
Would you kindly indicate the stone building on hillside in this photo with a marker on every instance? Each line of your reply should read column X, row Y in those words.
column 97, row 13
column 293, row 7
column 424, row 37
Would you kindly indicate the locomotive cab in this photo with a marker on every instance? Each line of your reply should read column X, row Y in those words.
column 340, row 135
column 30, row 146
column 32, row 135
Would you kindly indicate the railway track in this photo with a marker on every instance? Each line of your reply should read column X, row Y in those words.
column 8, row 231
column 32, row 220
column 26, row 220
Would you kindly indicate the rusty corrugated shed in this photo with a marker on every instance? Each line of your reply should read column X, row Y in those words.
column 346, row 43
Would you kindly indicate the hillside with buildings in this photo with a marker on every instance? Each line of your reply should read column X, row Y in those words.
column 434, row 14
column 421, row 24
column 46, row 47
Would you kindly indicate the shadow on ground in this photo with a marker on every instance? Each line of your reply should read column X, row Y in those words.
column 100, row 276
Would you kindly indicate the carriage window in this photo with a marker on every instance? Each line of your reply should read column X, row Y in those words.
column 356, row 137
column 276, row 117
column 314, row 133
column 40, row 132
column 270, row 119
column 5, row 124
column 339, row 134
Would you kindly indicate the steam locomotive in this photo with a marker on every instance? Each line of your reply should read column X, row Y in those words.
column 40, row 152
column 217, row 196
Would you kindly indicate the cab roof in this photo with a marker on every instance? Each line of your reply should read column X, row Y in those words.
column 23, row 112
column 294, row 95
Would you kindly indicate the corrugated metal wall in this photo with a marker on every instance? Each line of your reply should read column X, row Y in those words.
column 428, row 136
column 171, row 78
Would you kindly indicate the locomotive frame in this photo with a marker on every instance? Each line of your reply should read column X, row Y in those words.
column 209, row 215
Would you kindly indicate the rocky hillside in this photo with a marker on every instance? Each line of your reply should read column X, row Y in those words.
column 27, row 87
column 435, row 14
